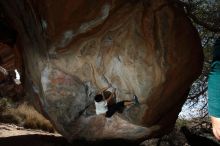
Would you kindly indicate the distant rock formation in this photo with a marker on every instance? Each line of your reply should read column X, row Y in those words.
column 71, row 49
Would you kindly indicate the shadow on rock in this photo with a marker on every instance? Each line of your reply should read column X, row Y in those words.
column 198, row 140
column 33, row 140
column 48, row 140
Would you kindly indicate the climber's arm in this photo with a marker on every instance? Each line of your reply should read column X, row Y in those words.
column 111, row 96
column 216, row 126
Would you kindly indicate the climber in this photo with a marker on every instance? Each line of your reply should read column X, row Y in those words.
column 214, row 90
column 103, row 106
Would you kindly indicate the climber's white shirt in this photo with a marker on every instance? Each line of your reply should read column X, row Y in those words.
column 101, row 107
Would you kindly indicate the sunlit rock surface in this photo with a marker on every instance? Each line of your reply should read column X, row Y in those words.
column 72, row 49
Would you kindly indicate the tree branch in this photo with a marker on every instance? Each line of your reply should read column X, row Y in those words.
column 199, row 94
column 195, row 19
column 205, row 25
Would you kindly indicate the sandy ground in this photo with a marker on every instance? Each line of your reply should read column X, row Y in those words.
column 12, row 135
column 8, row 130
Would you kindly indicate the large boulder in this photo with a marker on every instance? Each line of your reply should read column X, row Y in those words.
column 72, row 49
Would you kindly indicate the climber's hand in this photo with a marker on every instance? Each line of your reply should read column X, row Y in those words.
column 216, row 126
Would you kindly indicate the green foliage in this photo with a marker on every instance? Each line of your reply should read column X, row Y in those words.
column 205, row 13
column 181, row 122
column 5, row 103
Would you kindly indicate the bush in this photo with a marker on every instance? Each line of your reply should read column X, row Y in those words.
column 181, row 122
column 24, row 115
column 4, row 104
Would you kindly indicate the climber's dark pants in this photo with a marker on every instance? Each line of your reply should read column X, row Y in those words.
column 117, row 107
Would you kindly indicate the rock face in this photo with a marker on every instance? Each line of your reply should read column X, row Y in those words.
column 72, row 49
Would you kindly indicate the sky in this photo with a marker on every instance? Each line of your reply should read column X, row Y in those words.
column 189, row 111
